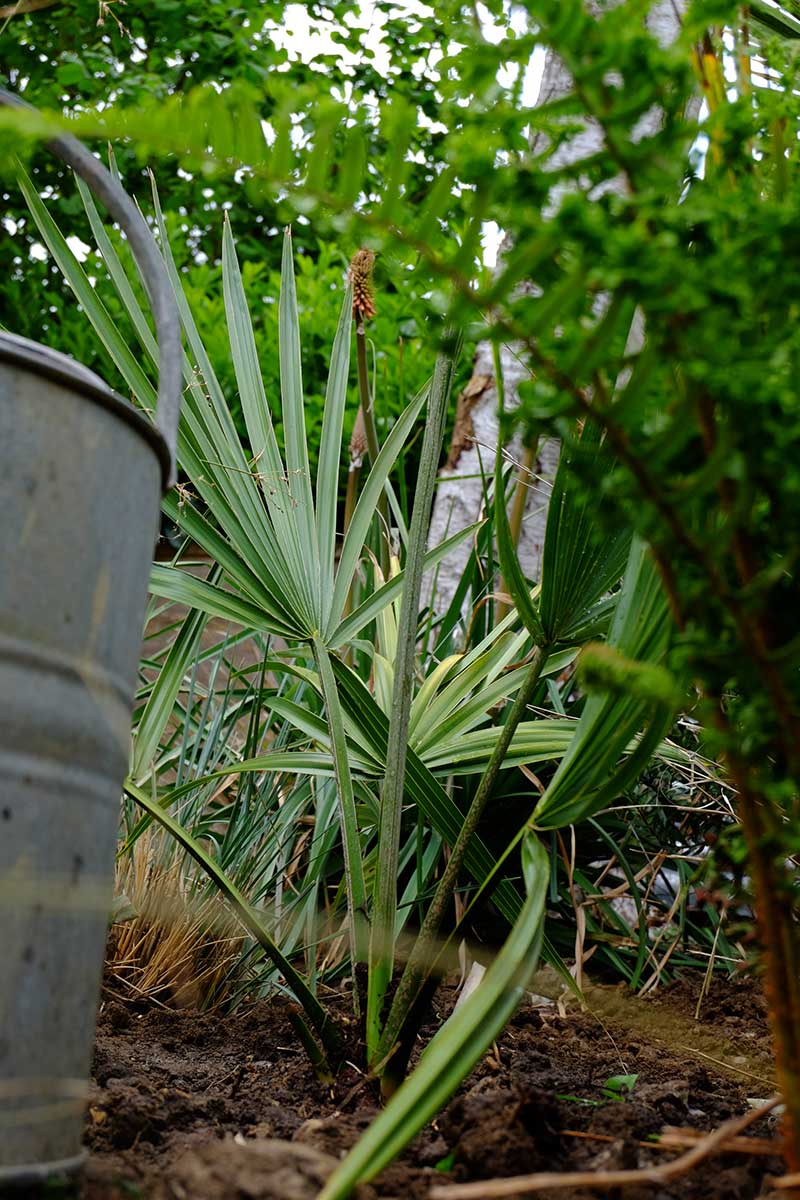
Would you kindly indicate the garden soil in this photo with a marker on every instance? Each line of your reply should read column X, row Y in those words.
column 211, row 1107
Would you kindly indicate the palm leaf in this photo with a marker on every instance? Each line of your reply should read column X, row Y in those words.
column 366, row 506
column 294, row 430
column 580, row 563
column 330, row 447
column 422, row 788
column 351, row 844
column 161, row 701
column 596, row 769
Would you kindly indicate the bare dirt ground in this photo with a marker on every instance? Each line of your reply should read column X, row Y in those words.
column 205, row 1107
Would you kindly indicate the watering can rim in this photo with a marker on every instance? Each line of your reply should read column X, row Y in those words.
column 150, row 264
column 53, row 364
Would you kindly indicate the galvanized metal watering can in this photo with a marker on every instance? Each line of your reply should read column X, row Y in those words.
column 81, row 475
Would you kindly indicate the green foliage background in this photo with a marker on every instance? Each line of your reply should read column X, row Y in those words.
column 82, row 55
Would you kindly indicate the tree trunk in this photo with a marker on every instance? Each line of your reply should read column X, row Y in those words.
column 459, row 498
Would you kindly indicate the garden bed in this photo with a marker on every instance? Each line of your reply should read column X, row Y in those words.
column 207, row 1107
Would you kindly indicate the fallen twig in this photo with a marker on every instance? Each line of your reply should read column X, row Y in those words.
column 25, row 6
column 517, row 1184
column 680, row 1139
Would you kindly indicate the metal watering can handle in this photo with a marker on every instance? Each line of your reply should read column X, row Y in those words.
column 151, row 267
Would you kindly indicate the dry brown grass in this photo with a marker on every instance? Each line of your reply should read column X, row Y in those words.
column 179, row 949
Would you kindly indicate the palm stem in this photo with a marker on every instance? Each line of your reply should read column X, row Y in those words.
column 515, row 516
column 368, row 413
column 423, row 953
column 381, row 959
column 350, row 499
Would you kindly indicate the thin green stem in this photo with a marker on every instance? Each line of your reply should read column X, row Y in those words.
column 351, row 844
column 424, row 950
column 351, row 497
column 460, row 1042
column 521, row 486
column 381, row 957
column 316, row 1055
column 368, row 412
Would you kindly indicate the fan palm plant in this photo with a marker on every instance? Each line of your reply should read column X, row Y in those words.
column 271, row 533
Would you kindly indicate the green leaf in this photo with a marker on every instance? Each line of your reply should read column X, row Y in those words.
column 456, row 714
column 461, row 1041
column 294, row 427
column 616, row 1086
column 595, row 769
column 423, row 789
column 378, row 600
column 775, row 18
column 183, row 588
column 262, row 589
column 367, row 505
column 255, row 406
column 116, row 271
column 353, row 166
column 330, row 449
column 211, row 453
column 298, row 557
column 119, row 352
column 161, row 701
column 580, row 564
column 351, row 842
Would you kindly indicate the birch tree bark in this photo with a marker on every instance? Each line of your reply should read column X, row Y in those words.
column 459, row 496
